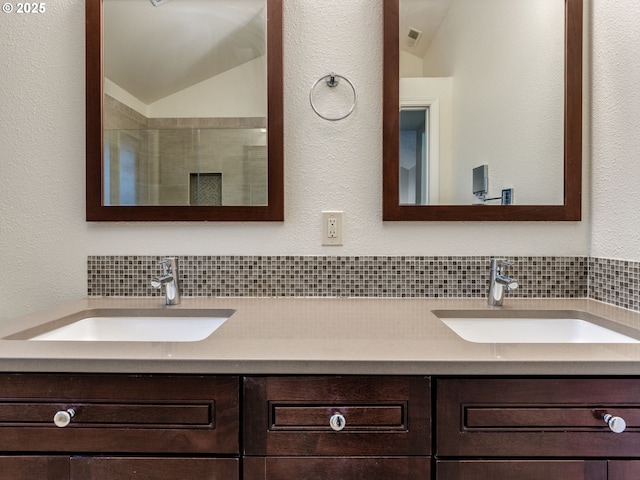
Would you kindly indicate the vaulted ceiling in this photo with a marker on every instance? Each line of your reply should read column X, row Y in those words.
column 425, row 16
column 155, row 51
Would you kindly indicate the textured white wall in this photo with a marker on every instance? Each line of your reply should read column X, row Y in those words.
column 45, row 240
column 616, row 129
column 42, row 238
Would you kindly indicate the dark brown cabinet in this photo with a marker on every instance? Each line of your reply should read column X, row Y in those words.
column 115, row 426
column 330, row 427
column 316, row 427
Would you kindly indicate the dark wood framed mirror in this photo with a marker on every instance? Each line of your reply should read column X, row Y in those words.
column 263, row 200
column 569, row 132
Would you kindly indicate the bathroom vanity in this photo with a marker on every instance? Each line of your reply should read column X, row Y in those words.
column 167, row 426
column 319, row 388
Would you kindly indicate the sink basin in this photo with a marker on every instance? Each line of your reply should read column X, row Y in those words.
column 543, row 326
column 189, row 326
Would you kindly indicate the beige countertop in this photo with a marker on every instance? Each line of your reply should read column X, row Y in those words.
column 323, row 336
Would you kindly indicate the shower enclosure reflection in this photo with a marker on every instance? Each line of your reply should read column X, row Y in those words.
column 185, row 103
column 185, row 166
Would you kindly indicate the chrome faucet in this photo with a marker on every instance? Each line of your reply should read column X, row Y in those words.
column 499, row 282
column 169, row 278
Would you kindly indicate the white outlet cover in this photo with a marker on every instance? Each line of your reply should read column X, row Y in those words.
column 335, row 240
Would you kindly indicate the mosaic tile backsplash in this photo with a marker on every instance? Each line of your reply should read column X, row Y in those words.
column 339, row 276
column 615, row 282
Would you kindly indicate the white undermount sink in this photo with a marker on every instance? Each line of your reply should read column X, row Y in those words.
column 539, row 326
column 141, row 326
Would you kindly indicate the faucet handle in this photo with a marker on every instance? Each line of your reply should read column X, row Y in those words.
column 498, row 265
column 169, row 264
column 164, row 263
column 500, row 262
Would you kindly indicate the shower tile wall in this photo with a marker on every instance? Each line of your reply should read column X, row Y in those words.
column 171, row 149
column 126, row 137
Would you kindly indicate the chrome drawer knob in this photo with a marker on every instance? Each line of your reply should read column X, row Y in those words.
column 63, row 418
column 616, row 424
column 337, row 422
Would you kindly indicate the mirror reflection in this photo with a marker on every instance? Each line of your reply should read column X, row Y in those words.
column 481, row 88
column 185, row 103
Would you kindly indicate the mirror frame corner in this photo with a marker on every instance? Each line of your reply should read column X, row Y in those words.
column 571, row 210
column 97, row 211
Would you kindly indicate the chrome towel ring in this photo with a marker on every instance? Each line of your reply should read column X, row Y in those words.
column 332, row 80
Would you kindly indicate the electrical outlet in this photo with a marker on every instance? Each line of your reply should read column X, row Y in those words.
column 507, row 196
column 332, row 228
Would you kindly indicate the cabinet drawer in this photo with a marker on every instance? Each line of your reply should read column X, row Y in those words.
column 120, row 413
column 34, row 468
column 343, row 468
column 380, row 415
column 149, row 468
column 624, row 469
column 521, row 469
column 537, row 417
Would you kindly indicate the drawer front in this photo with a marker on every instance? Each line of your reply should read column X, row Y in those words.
column 379, row 415
column 521, row 470
column 624, row 469
column 149, row 468
column 34, row 468
column 120, row 413
column 92, row 414
column 332, row 468
column 537, row 417
column 291, row 417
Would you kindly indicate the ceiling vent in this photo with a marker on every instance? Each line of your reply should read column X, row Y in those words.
column 413, row 37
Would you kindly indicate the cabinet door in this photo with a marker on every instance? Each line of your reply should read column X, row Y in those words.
column 34, row 468
column 149, row 468
column 624, row 470
column 336, row 468
column 521, row 470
